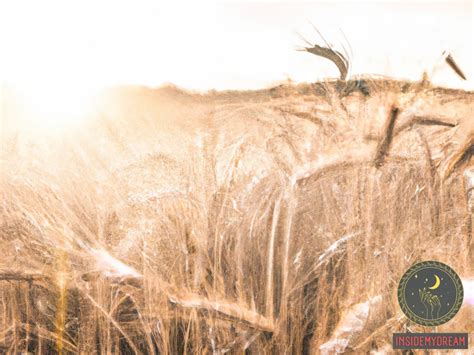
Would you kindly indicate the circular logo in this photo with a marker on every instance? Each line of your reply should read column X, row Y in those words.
column 430, row 293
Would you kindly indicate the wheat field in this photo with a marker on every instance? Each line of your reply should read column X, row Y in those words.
column 277, row 221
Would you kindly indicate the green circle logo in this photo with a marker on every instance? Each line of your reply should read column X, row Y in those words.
column 430, row 293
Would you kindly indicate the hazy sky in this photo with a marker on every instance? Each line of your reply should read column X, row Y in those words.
column 48, row 44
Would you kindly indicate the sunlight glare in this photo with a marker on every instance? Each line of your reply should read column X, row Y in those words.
column 56, row 105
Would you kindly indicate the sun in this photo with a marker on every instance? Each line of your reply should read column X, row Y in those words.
column 56, row 105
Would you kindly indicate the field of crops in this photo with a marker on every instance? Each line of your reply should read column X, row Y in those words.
column 271, row 221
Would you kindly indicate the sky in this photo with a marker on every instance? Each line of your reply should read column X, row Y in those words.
column 63, row 46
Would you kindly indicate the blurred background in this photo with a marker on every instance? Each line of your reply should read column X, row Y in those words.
column 56, row 55
column 225, row 45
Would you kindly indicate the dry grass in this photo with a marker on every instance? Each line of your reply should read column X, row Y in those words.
column 258, row 221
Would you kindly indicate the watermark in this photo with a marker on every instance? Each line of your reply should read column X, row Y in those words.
column 430, row 293
column 430, row 341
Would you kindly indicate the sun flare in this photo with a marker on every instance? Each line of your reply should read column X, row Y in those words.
column 55, row 105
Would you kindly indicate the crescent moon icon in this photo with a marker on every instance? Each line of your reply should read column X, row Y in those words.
column 437, row 283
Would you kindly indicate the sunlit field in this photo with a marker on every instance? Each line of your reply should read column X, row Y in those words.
column 163, row 221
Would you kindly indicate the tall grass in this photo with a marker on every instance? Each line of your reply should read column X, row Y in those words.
column 229, row 222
